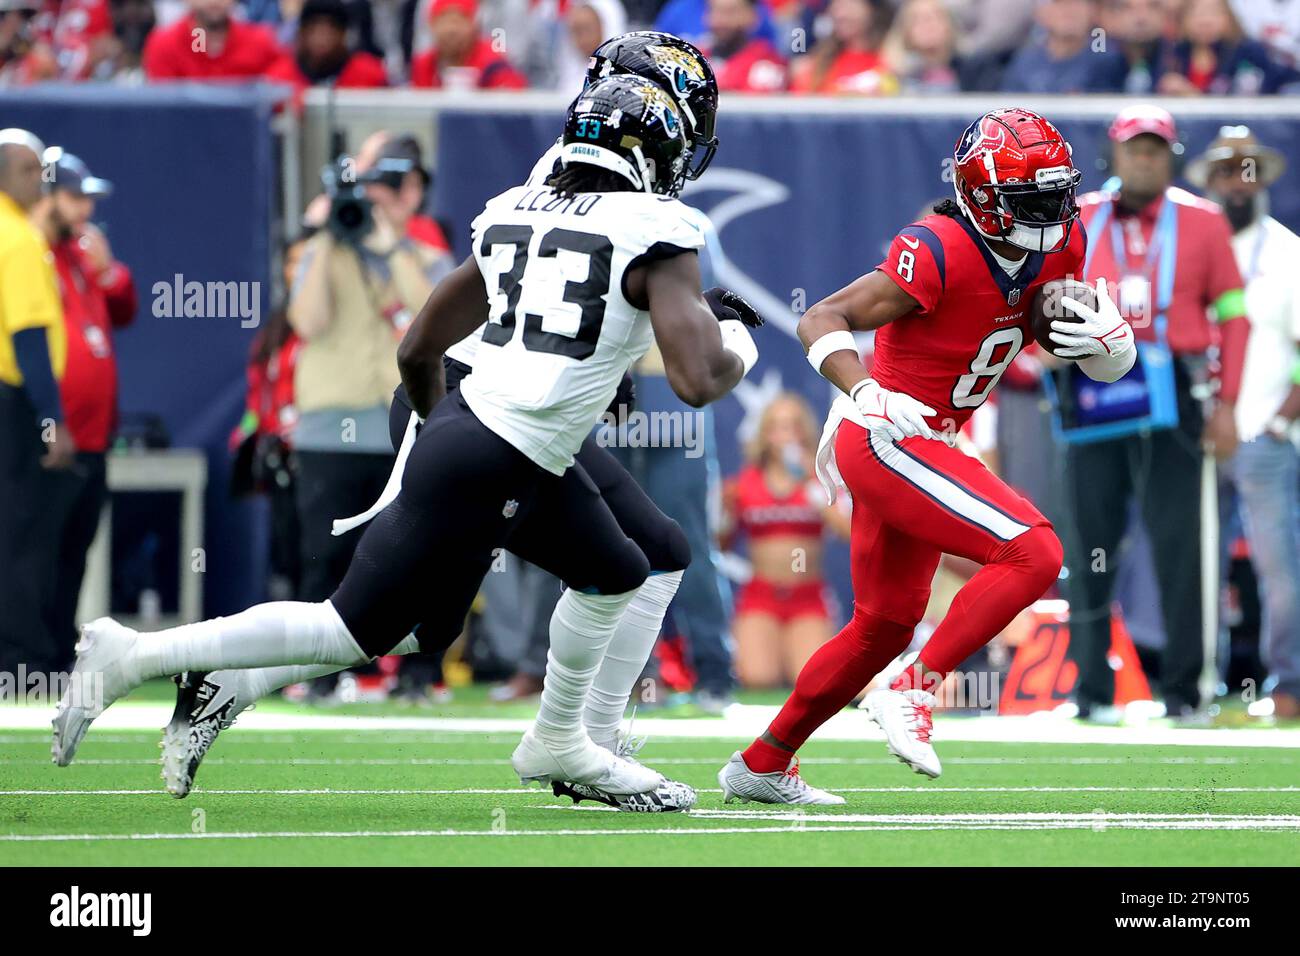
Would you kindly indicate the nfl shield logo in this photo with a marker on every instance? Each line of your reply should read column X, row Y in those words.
column 511, row 507
column 1013, row 297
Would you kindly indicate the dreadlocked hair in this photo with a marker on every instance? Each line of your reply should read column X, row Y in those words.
column 585, row 178
column 948, row 207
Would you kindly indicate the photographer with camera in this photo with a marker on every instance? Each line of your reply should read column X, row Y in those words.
column 361, row 280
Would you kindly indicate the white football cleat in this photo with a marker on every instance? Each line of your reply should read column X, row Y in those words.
column 102, row 674
column 671, row 796
column 738, row 782
column 206, row 704
column 907, row 718
column 581, row 762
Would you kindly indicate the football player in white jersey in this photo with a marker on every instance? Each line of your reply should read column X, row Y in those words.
column 208, row 703
column 572, row 277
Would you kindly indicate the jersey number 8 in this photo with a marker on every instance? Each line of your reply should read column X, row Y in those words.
column 906, row 265
column 987, row 367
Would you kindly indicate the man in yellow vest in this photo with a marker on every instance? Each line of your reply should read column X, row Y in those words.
column 32, row 432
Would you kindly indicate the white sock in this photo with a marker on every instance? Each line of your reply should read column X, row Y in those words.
column 581, row 628
column 626, row 657
column 257, row 682
column 282, row 632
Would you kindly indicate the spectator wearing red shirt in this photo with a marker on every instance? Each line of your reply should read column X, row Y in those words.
column 1131, row 232
column 209, row 44
column 848, row 61
column 321, row 53
column 73, row 29
column 744, row 62
column 462, row 59
column 98, row 295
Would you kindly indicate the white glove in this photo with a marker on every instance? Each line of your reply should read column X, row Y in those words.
column 892, row 414
column 1101, row 342
column 736, row 339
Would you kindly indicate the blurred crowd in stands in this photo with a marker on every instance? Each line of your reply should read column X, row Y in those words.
column 849, row 47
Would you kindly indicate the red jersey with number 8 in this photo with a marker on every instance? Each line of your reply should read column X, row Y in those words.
column 971, row 319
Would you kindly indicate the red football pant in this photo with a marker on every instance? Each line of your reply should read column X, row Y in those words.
column 913, row 502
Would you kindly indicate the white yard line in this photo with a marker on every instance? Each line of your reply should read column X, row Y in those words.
column 741, row 722
column 711, row 761
column 537, row 792
column 797, row 824
column 1099, row 817
column 134, row 738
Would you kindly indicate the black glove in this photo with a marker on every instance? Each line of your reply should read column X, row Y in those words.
column 726, row 305
column 625, row 397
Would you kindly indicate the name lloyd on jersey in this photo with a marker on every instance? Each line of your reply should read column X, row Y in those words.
column 578, row 205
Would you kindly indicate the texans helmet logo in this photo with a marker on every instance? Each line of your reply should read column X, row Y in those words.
column 980, row 136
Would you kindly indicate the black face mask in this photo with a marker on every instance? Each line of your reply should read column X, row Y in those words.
column 1043, row 209
column 1241, row 211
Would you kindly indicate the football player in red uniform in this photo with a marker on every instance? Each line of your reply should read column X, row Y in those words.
column 950, row 303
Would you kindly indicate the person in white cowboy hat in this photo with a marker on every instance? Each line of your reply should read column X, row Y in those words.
column 1237, row 170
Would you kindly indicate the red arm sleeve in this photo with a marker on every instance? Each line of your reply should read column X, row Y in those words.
column 916, row 263
column 119, row 295
column 1234, row 334
column 1221, row 272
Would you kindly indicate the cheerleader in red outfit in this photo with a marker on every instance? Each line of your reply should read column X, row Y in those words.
column 782, row 615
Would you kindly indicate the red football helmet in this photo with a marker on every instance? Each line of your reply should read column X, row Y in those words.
column 1015, row 181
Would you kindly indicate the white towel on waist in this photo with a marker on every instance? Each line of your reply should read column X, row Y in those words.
column 828, row 472
column 391, row 490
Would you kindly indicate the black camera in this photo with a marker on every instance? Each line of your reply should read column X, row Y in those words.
column 351, row 216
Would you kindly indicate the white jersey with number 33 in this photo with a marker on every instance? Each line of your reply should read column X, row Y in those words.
column 560, row 333
column 466, row 349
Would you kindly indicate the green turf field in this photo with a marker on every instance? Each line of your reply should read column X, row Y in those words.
column 400, row 796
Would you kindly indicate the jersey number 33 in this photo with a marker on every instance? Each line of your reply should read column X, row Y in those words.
column 588, row 295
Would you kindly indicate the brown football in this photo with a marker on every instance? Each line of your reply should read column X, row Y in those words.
column 1046, row 308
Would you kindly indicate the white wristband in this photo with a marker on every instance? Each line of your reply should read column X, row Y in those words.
column 737, row 340
column 1109, row 368
column 830, row 342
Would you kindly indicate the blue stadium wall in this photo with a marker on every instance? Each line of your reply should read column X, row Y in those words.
column 194, row 176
